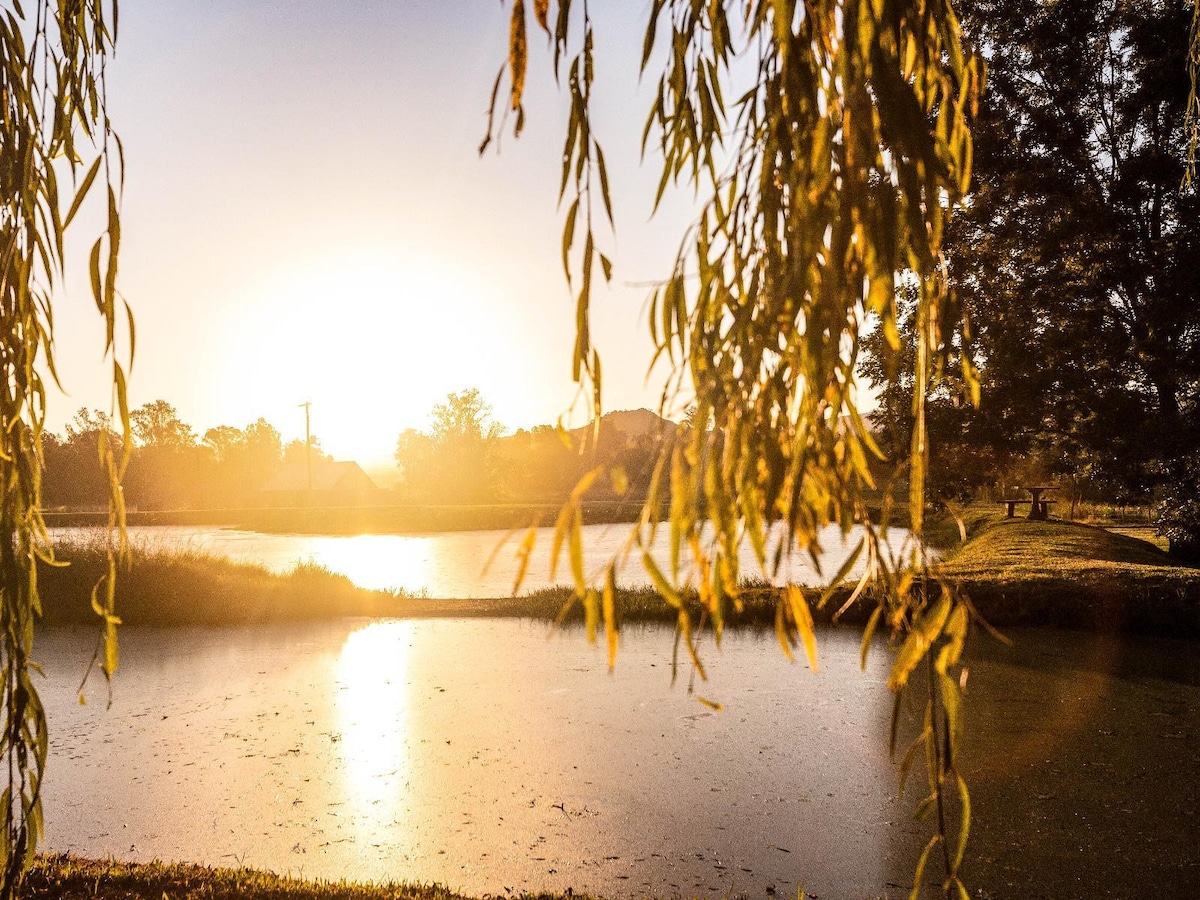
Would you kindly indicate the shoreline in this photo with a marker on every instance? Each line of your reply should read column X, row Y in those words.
column 1017, row 572
column 399, row 519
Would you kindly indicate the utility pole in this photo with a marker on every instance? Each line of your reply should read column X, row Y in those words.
column 307, row 404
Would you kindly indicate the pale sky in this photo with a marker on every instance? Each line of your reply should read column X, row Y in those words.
column 306, row 217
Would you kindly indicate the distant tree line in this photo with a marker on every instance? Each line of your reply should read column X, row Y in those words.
column 463, row 458
column 171, row 467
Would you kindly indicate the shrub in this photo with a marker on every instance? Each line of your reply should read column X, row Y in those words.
column 1178, row 518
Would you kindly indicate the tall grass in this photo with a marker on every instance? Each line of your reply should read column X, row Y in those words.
column 190, row 587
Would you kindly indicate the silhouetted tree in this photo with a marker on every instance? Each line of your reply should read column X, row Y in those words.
column 457, row 462
column 168, row 469
column 242, row 461
column 157, row 424
column 295, row 452
column 74, row 475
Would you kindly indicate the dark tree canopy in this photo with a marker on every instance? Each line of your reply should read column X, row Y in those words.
column 1075, row 253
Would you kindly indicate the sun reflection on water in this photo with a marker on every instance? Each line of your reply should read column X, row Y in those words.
column 379, row 562
column 373, row 712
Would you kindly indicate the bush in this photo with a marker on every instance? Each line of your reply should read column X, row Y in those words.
column 1178, row 517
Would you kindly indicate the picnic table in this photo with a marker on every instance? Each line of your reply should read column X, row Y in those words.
column 1039, row 509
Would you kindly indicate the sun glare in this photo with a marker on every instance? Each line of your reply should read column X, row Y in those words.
column 373, row 339
column 372, row 706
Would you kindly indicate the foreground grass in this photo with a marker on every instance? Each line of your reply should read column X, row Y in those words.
column 73, row 878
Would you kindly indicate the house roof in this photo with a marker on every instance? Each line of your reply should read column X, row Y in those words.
column 327, row 475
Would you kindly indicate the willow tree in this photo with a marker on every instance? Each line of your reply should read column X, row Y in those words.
column 829, row 142
column 55, row 146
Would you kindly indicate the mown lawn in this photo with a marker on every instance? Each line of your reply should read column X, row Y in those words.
column 1022, row 572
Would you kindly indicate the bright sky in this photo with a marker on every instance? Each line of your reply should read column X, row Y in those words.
column 306, row 218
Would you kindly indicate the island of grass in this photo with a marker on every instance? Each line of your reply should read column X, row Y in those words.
column 1016, row 572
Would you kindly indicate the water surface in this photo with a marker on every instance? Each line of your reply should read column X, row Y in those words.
column 488, row 756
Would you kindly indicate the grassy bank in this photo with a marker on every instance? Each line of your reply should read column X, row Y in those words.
column 1021, row 572
column 71, row 878
column 171, row 587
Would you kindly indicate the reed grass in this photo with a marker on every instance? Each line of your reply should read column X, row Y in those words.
column 160, row 587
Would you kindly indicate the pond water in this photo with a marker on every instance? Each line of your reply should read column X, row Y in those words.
column 497, row 755
column 452, row 564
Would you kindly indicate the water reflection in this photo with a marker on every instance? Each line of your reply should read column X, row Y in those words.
column 372, row 704
column 373, row 560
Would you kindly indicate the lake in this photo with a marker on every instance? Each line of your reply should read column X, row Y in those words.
column 452, row 564
column 499, row 755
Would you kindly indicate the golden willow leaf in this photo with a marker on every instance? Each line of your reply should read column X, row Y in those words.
column 918, row 641
column 567, row 516
column 610, row 615
column 782, row 634
column 591, row 613
column 802, row 619
column 518, row 53
column 575, row 537
column 919, row 875
column 964, row 796
column 523, row 553
column 81, row 194
column 541, row 11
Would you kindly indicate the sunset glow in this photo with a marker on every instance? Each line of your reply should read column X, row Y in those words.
column 366, row 382
column 370, row 263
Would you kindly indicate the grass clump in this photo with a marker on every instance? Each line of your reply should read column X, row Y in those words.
column 645, row 604
column 66, row 877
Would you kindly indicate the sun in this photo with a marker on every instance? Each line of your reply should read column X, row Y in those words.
column 372, row 336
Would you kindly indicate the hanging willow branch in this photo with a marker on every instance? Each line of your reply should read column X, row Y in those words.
column 829, row 141
column 52, row 92
column 1192, row 121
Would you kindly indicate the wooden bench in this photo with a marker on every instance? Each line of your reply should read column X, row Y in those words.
column 1012, row 506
